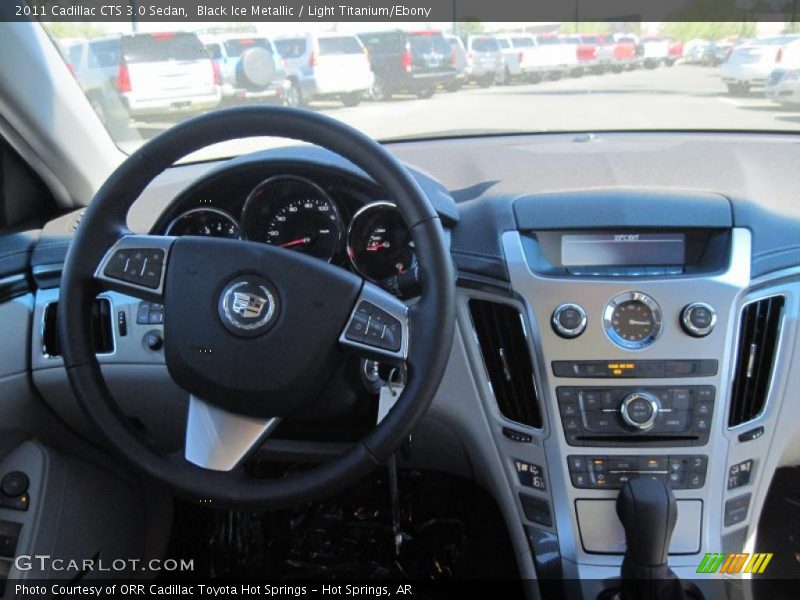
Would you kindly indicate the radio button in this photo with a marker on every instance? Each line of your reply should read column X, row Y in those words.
column 569, row 321
column 639, row 410
column 698, row 319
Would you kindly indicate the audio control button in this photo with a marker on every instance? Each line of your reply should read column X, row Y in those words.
column 639, row 410
column 569, row 321
column 698, row 319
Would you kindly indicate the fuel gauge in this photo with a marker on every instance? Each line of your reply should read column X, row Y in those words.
column 379, row 243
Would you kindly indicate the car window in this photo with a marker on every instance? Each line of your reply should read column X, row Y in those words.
column 160, row 47
column 339, row 45
column 74, row 54
column 234, row 48
column 522, row 42
column 214, row 50
column 428, row 43
column 485, row 45
column 291, row 47
column 503, row 44
column 384, row 41
column 546, row 40
column 103, row 54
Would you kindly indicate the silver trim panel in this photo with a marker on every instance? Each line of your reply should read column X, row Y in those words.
column 394, row 307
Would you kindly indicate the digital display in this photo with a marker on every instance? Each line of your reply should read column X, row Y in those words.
column 622, row 249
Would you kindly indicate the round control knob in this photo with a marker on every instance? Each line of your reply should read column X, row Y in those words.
column 569, row 320
column 639, row 410
column 698, row 319
column 14, row 484
column 154, row 341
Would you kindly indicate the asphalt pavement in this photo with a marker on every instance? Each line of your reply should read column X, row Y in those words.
column 678, row 97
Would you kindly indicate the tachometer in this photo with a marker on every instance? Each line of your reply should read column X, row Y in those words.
column 206, row 222
column 379, row 243
column 293, row 213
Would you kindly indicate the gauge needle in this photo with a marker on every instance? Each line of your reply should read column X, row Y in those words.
column 376, row 247
column 642, row 323
column 298, row 242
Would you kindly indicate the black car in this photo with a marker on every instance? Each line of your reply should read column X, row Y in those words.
column 409, row 62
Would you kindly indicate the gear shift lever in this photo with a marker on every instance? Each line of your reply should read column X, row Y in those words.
column 648, row 512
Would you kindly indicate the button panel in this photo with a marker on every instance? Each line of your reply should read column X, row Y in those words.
column 139, row 266
column 680, row 472
column 150, row 313
column 374, row 327
column 592, row 414
column 620, row 369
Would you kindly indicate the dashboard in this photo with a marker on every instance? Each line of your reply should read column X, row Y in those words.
column 606, row 294
column 327, row 214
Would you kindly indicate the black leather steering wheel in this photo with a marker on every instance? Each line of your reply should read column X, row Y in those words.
column 253, row 332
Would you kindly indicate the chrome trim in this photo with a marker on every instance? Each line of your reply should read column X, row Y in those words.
column 211, row 209
column 654, row 405
column 689, row 327
column 608, row 326
column 219, row 440
column 563, row 331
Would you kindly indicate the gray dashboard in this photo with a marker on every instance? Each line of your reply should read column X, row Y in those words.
column 493, row 194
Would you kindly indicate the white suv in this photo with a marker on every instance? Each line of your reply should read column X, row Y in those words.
column 145, row 74
column 326, row 65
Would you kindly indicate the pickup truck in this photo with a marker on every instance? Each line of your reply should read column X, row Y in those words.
column 520, row 61
column 555, row 58
column 656, row 51
column 593, row 52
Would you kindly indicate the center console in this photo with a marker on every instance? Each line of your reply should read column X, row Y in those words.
column 632, row 319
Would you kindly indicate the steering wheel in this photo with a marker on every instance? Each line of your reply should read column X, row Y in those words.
column 253, row 332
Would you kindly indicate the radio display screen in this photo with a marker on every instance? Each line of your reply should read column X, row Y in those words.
column 622, row 249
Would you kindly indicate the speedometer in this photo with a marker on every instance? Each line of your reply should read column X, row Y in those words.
column 379, row 243
column 293, row 213
column 206, row 222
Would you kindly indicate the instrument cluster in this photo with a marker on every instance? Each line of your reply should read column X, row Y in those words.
column 295, row 213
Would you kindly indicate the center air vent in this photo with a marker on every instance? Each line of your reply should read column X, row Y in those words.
column 102, row 328
column 501, row 335
column 758, row 340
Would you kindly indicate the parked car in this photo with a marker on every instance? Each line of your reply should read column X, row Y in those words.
column 717, row 53
column 460, row 62
column 674, row 53
column 655, row 51
column 250, row 67
column 145, row 74
column 519, row 56
column 694, row 50
column 414, row 62
column 556, row 58
column 326, row 65
column 588, row 49
column 783, row 86
column 749, row 64
column 485, row 59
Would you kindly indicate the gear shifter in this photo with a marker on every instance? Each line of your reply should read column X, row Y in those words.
column 648, row 512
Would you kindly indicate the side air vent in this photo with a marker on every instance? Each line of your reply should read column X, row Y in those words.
column 758, row 340
column 102, row 328
column 76, row 221
column 508, row 361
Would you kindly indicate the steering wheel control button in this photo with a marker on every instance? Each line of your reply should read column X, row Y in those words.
column 137, row 265
column 14, row 484
column 360, row 322
column 248, row 306
column 569, row 321
column 698, row 319
column 639, row 410
column 374, row 327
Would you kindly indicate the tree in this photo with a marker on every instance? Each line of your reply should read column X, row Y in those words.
column 585, row 27
column 75, row 30
column 469, row 28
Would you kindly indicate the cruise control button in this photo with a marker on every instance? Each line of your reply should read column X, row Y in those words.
column 358, row 325
column 116, row 266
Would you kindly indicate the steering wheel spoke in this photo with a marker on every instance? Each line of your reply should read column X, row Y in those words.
column 136, row 265
column 218, row 440
column 377, row 327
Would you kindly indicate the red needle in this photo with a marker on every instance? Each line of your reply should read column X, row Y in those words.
column 297, row 242
column 375, row 247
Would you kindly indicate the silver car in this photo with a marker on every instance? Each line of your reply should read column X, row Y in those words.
column 146, row 74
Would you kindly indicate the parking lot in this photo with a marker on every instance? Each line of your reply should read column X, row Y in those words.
column 679, row 97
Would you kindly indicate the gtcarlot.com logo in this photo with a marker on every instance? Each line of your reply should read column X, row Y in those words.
column 45, row 562
column 737, row 562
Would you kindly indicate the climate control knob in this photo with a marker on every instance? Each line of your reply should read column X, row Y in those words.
column 640, row 410
column 698, row 319
column 569, row 320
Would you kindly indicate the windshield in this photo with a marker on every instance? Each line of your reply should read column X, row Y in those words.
column 437, row 80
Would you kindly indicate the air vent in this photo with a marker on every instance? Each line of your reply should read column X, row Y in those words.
column 501, row 335
column 102, row 328
column 76, row 221
column 758, row 339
